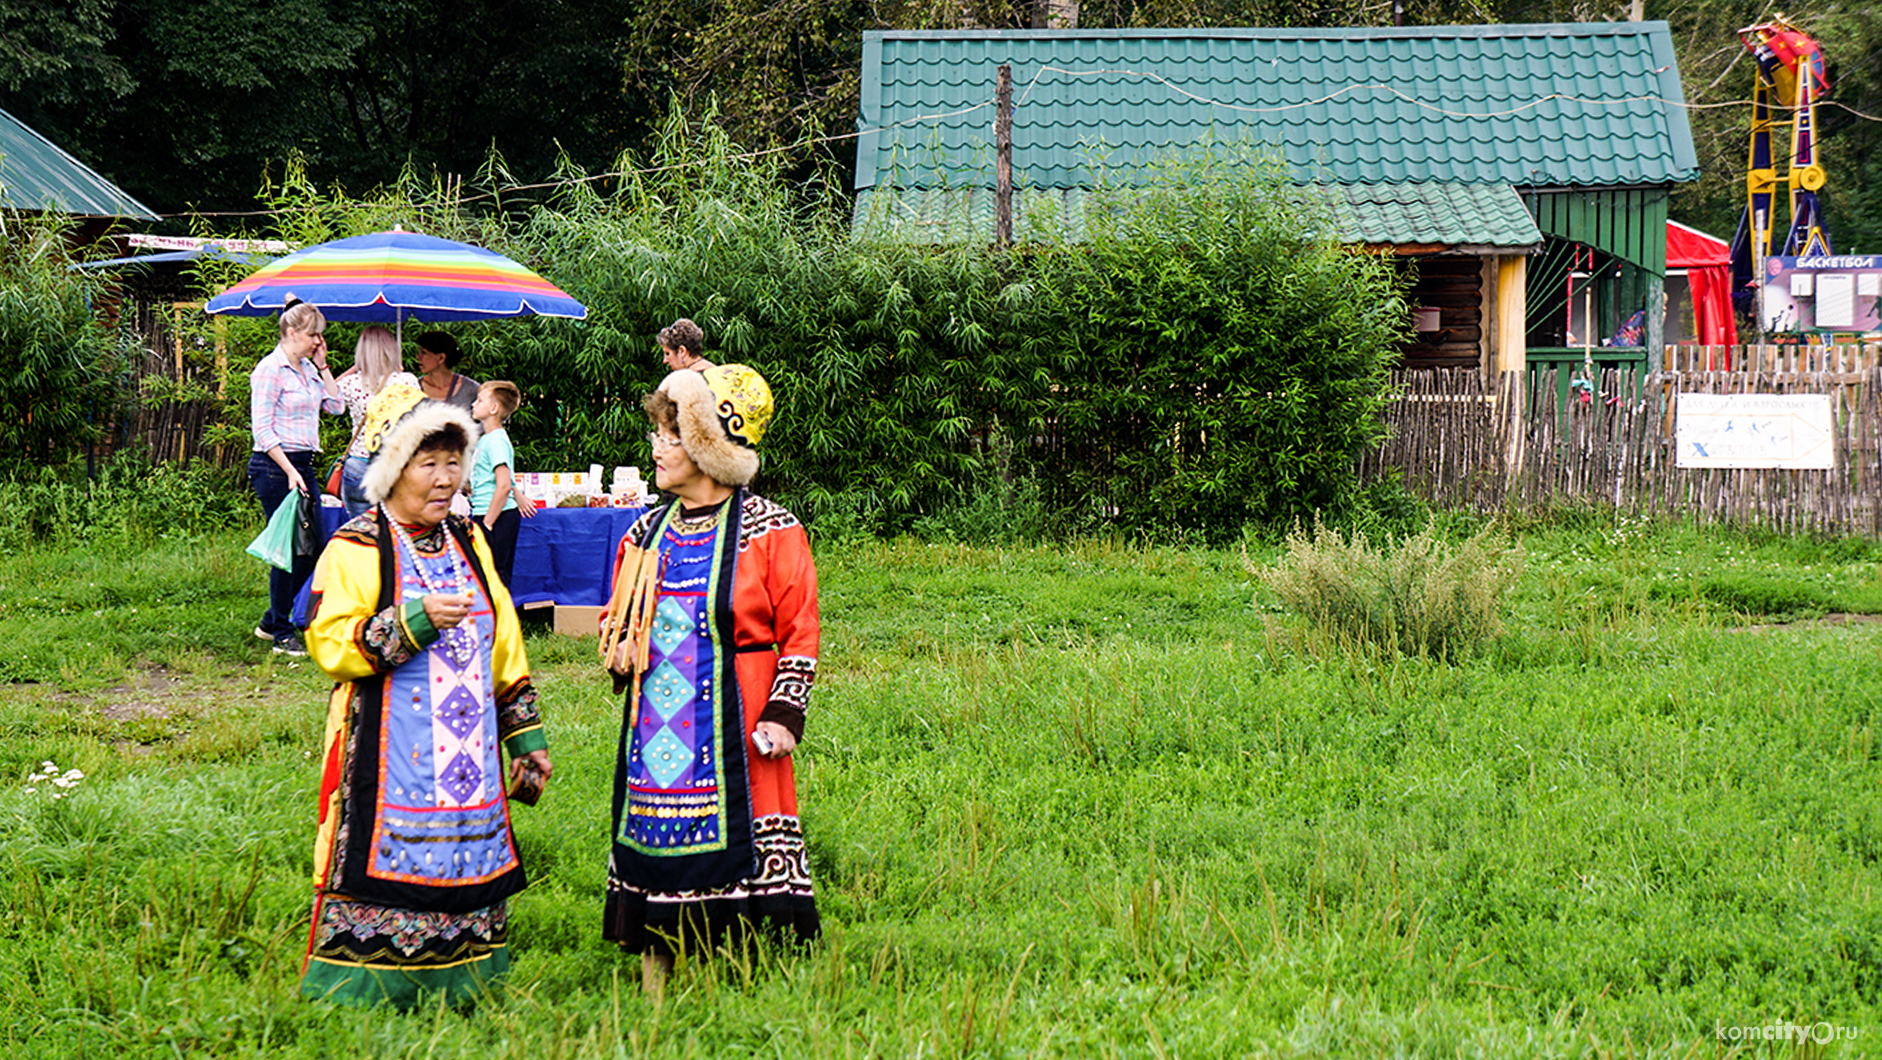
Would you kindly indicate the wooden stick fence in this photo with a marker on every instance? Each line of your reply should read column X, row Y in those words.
column 167, row 409
column 1451, row 437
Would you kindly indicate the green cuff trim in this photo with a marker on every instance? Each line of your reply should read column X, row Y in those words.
column 417, row 625
column 518, row 744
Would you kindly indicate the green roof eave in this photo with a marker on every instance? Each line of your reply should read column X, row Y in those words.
column 1460, row 218
column 36, row 174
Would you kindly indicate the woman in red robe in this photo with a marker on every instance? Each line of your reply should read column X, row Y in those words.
column 713, row 629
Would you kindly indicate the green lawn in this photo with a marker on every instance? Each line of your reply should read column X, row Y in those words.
column 1085, row 801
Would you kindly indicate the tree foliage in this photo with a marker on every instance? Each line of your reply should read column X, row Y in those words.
column 189, row 102
column 1199, row 364
column 207, row 95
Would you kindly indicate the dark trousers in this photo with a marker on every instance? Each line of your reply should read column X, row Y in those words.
column 353, row 486
column 503, row 543
column 271, row 488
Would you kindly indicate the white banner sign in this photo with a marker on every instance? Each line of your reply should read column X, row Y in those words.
column 240, row 246
column 1754, row 430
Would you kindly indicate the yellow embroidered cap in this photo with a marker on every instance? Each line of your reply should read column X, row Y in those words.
column 397, row 419
column 742, row 399
column 386, row 409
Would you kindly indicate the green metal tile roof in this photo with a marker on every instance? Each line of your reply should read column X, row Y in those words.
column 36, row 175
column 1457, row 215
column 1588, row 104
column 1487, row 216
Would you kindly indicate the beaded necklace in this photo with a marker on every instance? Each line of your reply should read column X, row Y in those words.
column 458, row 640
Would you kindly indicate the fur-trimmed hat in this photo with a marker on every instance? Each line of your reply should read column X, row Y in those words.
column 399, row 417
column 723, row 412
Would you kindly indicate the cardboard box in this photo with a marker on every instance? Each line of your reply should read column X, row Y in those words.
column 578, row 621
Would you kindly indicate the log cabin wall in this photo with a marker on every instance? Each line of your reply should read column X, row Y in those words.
column 1453, row 285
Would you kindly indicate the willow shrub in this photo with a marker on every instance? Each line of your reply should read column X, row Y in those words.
column 59, row 368
column 1202, row 362
column 1198, row 365
column 1229, row 365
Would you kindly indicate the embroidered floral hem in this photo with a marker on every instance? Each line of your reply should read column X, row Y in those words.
column 777, row 902
column 365, row 955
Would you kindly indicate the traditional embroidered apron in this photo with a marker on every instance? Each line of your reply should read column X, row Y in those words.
column 430, row 827
column 682, row 805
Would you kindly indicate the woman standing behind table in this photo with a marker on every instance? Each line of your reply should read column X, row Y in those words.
column 414, row 857
column 706, row 839
column 376, row 365
column 682, row 346
column 287, row 390
column 438, row 357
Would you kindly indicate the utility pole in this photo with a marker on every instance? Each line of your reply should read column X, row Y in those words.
column 1003, row 159
column 1053, row 14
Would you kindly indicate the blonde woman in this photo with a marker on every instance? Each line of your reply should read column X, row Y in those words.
column 287, row 391
column 377, row 364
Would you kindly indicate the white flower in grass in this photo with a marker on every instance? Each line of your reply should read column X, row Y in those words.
column 29, row 791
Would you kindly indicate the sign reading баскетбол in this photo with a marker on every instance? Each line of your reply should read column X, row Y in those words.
column 1754, row 430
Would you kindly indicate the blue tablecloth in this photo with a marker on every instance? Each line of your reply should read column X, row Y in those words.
column 563, row 555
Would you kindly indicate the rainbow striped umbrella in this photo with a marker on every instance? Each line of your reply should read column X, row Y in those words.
column 390, row 277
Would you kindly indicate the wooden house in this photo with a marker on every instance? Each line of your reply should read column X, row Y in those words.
column 1499, row 162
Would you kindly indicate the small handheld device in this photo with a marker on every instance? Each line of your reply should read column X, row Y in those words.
column 761, row 741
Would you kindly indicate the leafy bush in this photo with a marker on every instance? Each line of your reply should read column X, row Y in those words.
column 1420, row 596
column 131, row 500
column 1198, row 364
column 58, row 365
column 996, row 505
column 1225, row 364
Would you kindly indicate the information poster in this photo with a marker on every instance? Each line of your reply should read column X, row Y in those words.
column 1754, row 430
column 1822, row 294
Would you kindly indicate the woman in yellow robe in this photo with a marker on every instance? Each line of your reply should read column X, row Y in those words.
column 414, row 858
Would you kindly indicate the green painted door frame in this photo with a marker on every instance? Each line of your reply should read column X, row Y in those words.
column 1629, row 223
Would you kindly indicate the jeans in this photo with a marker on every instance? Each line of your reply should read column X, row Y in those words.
column 503, row 542
column 271, row 488
column 352, row 486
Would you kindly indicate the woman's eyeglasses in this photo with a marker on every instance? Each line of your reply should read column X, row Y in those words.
column 660, row 441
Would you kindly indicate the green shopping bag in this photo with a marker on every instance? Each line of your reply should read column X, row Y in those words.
column 275, row 544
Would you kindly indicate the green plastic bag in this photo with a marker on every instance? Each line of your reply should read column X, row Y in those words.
column 275, row 544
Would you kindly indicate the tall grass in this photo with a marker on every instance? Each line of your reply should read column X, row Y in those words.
column 1418, row 595
column 127, row 502
column 1092, row 800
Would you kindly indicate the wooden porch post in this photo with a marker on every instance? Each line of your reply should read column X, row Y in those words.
column 1512, row 313
column 1512, row 344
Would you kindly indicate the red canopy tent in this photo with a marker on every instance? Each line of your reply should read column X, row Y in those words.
column 1708, row 265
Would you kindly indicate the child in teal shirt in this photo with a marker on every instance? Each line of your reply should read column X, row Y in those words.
column 492, row 476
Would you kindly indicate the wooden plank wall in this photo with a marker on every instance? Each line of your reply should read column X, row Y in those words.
column 1454, row 447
